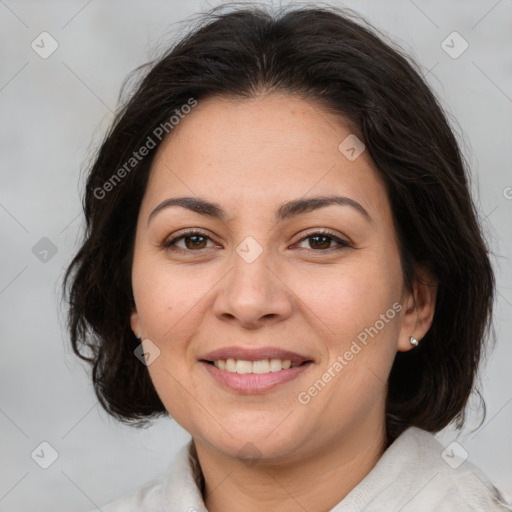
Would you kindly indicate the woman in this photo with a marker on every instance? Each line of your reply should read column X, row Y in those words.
column 283, row 255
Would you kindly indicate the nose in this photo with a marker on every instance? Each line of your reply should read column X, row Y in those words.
column 253, row 294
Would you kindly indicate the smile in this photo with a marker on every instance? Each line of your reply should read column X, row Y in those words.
column 252, row 377
column 263, row 366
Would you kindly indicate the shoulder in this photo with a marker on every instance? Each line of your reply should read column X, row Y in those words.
column 465, row 489
column 417, row 474
column 147, row 497
column 176, row 489
column 453, row 481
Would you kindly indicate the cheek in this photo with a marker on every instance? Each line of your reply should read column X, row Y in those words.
column 167, row 297
column 347, row 299
column 167, row 303
column 353, row 308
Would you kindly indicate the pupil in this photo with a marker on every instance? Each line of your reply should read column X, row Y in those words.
column 195, row 239
column 325, row 238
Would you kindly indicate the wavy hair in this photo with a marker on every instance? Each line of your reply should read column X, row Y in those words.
column 345, row 65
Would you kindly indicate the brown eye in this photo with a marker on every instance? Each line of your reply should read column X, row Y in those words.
column 321, row 241
column 196, row 241
column 192, row 241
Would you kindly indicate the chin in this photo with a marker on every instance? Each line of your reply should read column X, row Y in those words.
column 253, row 445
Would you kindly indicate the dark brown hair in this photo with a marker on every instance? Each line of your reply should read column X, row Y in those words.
column 348, row 68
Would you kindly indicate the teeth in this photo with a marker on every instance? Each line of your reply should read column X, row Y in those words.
column 263, row 366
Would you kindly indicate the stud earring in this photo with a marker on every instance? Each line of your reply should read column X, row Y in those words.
column 414, row 341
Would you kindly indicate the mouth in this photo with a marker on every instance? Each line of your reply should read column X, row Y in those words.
column 259, row 367
column 239, row 358
column 249, row 370
column 253, row 377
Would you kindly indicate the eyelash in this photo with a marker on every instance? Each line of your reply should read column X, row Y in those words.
column 342, row 244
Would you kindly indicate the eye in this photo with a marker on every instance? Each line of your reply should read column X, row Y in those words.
column 320, row 241
column 193, row 241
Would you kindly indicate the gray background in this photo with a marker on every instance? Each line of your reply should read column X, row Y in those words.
column 54, row 113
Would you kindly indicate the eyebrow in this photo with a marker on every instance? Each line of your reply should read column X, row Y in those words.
column 284, row 211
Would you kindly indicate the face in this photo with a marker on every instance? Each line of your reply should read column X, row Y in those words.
column 323, row 282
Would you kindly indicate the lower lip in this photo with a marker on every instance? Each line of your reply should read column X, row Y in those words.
column 249, row 383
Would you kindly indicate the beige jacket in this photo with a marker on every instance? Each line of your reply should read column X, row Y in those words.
column 415, row 474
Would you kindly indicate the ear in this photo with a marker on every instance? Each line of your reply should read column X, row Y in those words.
column 135, row 323
column 418, row 312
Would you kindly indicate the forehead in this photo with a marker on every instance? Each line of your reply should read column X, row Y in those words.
column 271, row 148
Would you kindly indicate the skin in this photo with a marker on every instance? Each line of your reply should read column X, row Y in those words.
column 249, row 156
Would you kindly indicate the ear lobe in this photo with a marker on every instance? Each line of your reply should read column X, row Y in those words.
column 134, row 322
column 419, row 308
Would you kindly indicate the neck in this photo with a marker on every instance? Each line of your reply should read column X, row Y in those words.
column 315, row 481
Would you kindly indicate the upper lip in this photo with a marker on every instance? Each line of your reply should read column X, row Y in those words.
column 254, row 354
